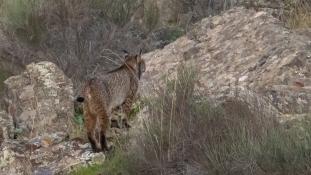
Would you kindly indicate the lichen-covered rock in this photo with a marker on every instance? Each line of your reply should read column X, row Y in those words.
column 39, row 111
column 244, row 48
column 40, row 100
column 13, row 160
column 33, row 157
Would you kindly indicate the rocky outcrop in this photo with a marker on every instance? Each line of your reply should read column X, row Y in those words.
column 40, row 100
column 35, row 127
column 36, row 157
column 242, row 48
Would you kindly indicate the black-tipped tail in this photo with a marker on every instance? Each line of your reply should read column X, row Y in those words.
column 80, row 99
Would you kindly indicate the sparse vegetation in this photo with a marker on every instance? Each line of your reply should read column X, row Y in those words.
column 136, row 108
column 118, row 11
column 3, row 77
column 299, row 13
column 151, row 14
column 174, row 34
column 117, row 162
column 75, row 32
column 79, row 130
column 188, row 134
column 23, row 19
column 89, row 170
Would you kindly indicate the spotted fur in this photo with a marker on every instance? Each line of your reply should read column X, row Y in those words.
column 102, row 94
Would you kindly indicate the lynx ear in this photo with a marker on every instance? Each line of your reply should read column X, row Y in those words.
column 138, row 57
column 126, row 54
column 125, row 51
column 141, row 68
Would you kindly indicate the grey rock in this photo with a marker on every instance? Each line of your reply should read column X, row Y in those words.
column 40, row 100
column 30, row 157
column 241, row 49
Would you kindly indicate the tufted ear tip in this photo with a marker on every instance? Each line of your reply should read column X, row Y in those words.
column 139, row 58
column 126, row 53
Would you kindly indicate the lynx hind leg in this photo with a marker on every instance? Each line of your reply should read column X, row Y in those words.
column 92, row 134
column 114, row 123
column 104, row 142
column 105, row 123
column 93, row 142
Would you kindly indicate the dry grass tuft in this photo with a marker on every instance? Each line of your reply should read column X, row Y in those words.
column 299, row 15
column 187, row 134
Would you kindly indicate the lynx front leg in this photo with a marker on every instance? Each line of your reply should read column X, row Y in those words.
column 115, row 117
column 126, row 108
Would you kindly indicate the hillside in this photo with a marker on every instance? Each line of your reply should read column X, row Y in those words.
column 227, row 86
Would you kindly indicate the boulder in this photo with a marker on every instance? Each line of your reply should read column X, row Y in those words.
column 34, row 157
column 40, row 100
column 242, row 48
column 39, row 112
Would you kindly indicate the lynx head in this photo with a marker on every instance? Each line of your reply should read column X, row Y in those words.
column 135, row 63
